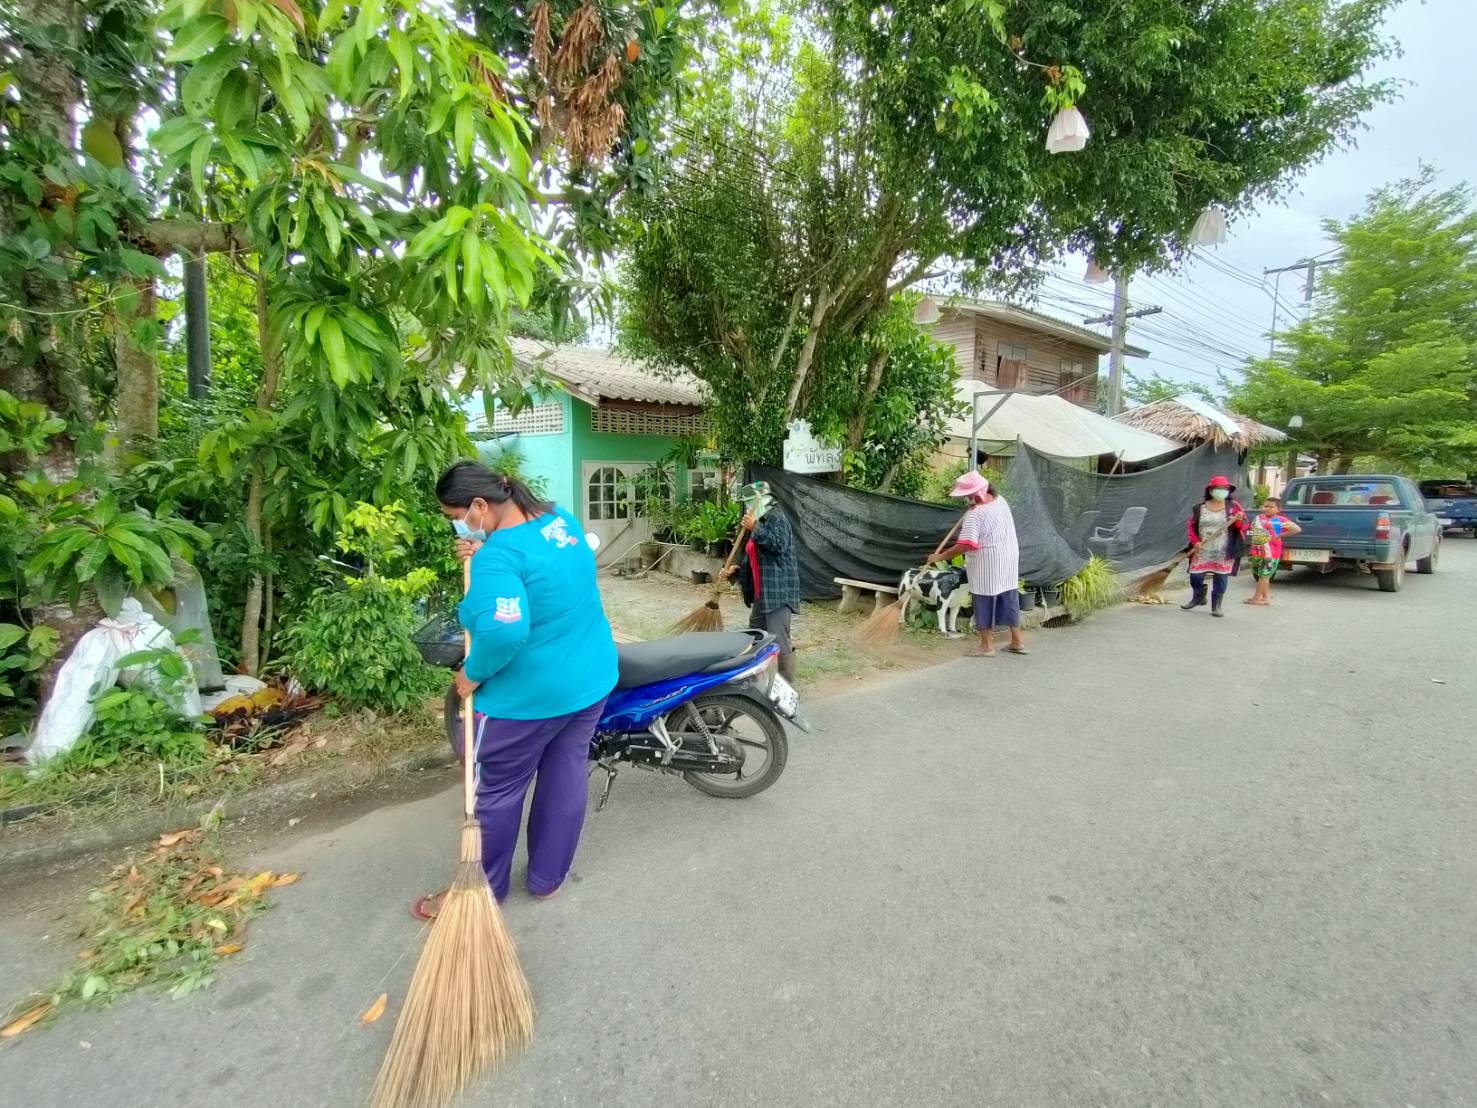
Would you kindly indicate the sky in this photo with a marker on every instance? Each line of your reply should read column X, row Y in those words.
column 1216, row 309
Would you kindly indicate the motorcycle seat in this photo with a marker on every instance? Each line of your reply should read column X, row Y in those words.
column 701, row 652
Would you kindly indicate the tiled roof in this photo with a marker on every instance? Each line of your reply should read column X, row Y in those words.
column 594, row 375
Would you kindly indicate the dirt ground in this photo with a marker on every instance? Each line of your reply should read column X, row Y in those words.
column 828, row 661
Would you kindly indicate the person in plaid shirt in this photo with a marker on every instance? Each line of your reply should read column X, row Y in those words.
column 769, row 570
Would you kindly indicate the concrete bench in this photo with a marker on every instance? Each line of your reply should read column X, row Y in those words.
column 852, row 593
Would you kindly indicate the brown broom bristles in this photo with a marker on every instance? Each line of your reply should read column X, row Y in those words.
column 882, row 626
column 469, row 1005
column 1154, row 581
column 705, row 617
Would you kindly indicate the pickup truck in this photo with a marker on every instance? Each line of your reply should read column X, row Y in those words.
column 1371, row 524
column 1454, row 502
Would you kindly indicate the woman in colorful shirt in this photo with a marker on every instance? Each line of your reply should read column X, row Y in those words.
column 1217, row 539
column 992, row 559
column 1267, row 531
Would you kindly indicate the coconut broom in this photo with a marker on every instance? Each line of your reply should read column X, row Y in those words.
column 1152, row 582
column 469, row 1005
column 882, row 626
column 707, row 616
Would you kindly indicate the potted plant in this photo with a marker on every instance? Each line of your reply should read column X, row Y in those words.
column 1028, row 597
column 1092, row 587
column 711, row 528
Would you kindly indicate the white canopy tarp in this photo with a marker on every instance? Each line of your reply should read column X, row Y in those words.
column 1054, row 425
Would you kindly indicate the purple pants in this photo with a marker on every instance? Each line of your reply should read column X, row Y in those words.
column 509, row 753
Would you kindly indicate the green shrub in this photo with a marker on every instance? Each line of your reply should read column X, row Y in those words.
column 137, row 726
column 355, row 643
column 937, row 484
column 1092, row 587
column 711, row 523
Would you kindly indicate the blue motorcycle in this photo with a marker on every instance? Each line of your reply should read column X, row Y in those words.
column 707, row 705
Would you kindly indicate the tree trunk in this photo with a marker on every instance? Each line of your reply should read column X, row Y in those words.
column 40, row 363
column 1344, row 465
column 251, row 612
column 137, row 391
column 197, row 327
column 823, row 301
column 857, row 432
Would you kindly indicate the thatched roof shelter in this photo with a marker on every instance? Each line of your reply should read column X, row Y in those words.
column 1189, row 419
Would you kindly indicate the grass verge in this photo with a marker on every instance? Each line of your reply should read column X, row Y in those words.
column 85, row 795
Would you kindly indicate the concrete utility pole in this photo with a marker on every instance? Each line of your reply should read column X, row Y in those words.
column 1307, row 265
column 1119, row 318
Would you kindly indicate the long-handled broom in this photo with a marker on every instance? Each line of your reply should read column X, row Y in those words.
column 707, row 616
column 469, row 1005
column 1153, row 581
column 882, row 626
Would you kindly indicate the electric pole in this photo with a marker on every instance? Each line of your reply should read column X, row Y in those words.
column 1119, row 318
column 1309, row 266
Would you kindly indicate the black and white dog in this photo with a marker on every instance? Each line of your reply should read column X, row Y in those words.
column 943, row 590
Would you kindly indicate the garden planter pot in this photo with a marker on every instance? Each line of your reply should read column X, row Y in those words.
column 701, row 577
column 1051, row 597
column 1028, row 600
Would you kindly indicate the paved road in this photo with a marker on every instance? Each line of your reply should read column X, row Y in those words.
column 1164, row 861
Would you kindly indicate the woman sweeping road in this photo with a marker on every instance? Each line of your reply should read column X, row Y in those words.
column 1217, row 540
column 992, row 559
column 541, row 665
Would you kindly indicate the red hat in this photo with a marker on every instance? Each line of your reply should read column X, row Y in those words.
column 1220, row 482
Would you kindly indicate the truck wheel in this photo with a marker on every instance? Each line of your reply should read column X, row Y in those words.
column 1428, row 565
column 1390, row 580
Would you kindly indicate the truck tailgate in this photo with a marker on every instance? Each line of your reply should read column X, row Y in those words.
column 1328, row 526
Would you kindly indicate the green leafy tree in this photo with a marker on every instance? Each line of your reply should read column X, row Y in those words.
column 1385, row 365
column 1156, row 387
column 372, row 173
column 838, row 153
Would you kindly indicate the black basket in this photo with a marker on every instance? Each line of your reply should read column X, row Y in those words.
column 440, row 642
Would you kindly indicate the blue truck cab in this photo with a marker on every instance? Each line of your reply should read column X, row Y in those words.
column 1454, row 502
column 1371, row 524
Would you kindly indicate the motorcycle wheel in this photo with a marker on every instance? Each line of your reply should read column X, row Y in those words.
column 754, row 727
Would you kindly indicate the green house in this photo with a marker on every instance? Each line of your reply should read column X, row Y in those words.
column 609, row 421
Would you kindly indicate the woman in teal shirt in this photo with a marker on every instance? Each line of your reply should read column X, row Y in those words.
column 541, row 665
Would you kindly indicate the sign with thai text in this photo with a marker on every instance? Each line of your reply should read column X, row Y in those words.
column 804, row 453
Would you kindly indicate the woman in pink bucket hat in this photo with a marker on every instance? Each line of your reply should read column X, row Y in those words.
column 992, row 559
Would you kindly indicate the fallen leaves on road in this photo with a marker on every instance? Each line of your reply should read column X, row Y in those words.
column 165, row 917
column 375, row 1010
column 26, row 1020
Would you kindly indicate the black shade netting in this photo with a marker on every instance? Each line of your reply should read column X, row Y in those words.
column 1134, row 520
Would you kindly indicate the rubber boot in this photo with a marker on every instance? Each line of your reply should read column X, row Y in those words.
column 1215, row 606
column 1197, row 600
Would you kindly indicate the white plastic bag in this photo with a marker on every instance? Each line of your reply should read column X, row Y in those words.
column 184, row 609
column 92, row 668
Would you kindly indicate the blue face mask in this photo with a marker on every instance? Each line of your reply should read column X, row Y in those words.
column 463, row 531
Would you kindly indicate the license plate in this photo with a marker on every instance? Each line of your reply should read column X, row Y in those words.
column 1446, row 522
column 785, row 698
column 1309, row 557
